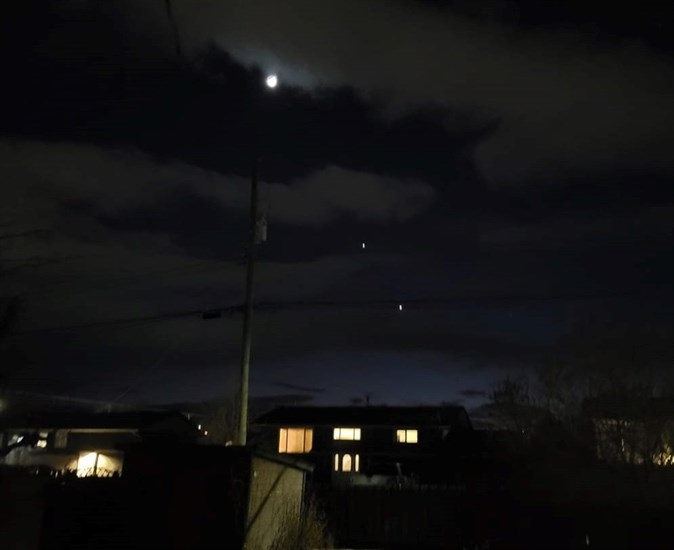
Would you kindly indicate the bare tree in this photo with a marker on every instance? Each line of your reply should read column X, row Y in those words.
column 305, row 529
column 222, row 420
column 612, row 377
column 511, row 400
column 634, row 426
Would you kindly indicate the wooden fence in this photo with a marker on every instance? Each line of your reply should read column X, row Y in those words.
column 420, row 517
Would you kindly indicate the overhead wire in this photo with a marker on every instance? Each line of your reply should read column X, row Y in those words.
column 208, row 313
column 152, row 369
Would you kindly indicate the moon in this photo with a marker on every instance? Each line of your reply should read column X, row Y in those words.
column 271, row 81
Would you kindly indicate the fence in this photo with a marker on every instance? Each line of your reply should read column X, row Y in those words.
column 390, row 517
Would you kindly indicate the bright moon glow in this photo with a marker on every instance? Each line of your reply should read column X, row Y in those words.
column 272, row 81
column 400, row 307
column 363, row 245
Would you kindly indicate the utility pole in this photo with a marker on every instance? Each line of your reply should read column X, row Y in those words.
column 248, row 312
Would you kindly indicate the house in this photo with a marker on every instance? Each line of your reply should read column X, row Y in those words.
column 88, row 444
column 369, row 445
column 633, row 430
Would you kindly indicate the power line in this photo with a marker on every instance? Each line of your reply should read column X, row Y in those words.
column 74, row 400
column 123, row 321
column 21, row 234
column 151, row 371
column 211, row 313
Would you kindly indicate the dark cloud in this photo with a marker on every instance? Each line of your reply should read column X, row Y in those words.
column 564, row 103
column 114, row 182
column 559, row 103
column 394, row 122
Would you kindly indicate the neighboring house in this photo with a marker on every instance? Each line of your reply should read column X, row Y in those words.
column 89, row 444
column 633, row 431
column 360, row 445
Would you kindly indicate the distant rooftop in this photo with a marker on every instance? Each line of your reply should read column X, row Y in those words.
column 451, row 416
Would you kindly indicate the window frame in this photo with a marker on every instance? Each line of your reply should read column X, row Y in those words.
column 307, row 439
column 338, row 433
column 339, row 460
column 402, row 435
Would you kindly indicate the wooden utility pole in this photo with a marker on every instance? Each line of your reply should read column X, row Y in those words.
column 248, row 312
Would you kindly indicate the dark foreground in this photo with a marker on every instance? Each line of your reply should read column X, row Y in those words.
column 530, row 508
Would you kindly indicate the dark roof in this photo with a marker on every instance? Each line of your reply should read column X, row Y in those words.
column 140, row 420
column 453, row 416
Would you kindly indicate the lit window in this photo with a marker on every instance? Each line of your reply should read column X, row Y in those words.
column 86, row 464
column 295, row 440
column 407, row 436
column 346, row 434
column 42, row 441
column 348, row 463
column 93, row 464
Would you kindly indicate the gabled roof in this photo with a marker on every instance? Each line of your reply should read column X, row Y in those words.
column 451, row 416
column 139, row 420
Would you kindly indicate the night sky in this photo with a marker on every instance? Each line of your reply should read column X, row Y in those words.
column 507, row 164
